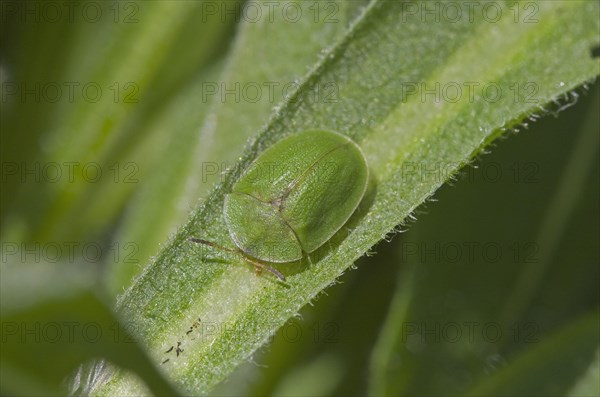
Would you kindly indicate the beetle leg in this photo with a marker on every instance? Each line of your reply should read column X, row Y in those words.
column 258, row 267
column 308, row 258
column 211, row 244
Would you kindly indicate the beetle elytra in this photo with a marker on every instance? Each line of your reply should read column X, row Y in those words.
column 294, row 197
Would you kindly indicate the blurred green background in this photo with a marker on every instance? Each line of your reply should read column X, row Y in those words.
column 108, row 115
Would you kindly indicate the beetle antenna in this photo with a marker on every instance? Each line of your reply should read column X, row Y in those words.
column 255, row 263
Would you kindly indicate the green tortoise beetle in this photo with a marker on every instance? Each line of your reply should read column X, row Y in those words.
column 294, row 197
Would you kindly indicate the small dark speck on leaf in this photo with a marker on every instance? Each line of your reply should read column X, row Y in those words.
column 595, row 51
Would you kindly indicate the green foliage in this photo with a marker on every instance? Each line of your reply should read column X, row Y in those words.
column 382, row 74
column 53, row 320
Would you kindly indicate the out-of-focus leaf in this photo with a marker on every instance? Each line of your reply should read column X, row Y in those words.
column 88, row 148
column 589, row 384
column 543, row 369
column 164, row 198
column 52, row 321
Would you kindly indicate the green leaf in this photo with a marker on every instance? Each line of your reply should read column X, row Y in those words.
column 461, row 262
column 53, row 319
column 369, row 68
